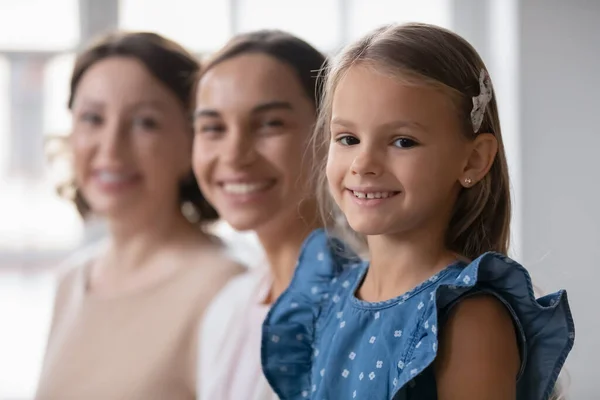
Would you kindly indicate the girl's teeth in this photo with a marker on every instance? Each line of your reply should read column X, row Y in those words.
column 372, row 195
column 245, row 188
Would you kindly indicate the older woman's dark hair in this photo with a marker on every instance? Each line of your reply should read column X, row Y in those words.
column 170, row 64
column 304, row 59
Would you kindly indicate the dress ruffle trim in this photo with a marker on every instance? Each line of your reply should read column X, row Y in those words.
column 289, row 329
column 545, row 325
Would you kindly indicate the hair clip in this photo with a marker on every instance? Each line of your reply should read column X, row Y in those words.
column 481, row 101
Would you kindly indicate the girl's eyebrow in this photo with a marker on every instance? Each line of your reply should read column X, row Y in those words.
column 387, row 126
column 342, row 122
column 402, row 124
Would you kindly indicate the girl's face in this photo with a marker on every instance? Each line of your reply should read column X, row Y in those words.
column 252, row 125
column 397, row 156
column 131, row 140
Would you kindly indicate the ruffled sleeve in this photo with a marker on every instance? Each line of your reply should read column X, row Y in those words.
column 289, row 329
column 545, row 327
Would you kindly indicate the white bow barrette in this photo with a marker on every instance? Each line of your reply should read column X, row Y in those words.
column 481, row 101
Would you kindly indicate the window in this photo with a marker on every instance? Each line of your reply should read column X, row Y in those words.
column 364, row 16
column 316, row 21
column 57, row 74
column 55, row 211
column 35, row 220
column 39, row 24
column 199, row 25
column 4, row 115
column 30, row 211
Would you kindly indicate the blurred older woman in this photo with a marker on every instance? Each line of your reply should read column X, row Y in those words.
column 125, row 319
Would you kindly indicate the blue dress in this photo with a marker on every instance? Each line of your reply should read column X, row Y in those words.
column 320, row 342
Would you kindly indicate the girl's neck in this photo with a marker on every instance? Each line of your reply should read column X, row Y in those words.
column 282, row 245
column 398, row 263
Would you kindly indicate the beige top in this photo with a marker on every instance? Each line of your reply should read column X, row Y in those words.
column 137, row 346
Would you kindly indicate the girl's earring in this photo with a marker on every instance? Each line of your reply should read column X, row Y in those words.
column 468, row 182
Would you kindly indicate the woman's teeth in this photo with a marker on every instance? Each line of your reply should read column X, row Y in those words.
column 114, row 177
column 245, row 188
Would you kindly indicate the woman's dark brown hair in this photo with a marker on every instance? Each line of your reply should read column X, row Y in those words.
column 304, row 59
column 170, row 64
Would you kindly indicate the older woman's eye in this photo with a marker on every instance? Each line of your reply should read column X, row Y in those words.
column 146, row 123
column 91, row 118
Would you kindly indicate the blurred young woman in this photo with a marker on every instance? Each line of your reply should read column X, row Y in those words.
column 255, row 110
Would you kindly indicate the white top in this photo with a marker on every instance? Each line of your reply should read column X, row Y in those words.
column 230, row 341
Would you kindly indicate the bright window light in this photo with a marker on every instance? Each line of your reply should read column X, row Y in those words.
column 366, row 15
column 4, row 115
column 199, row 25
column 39, row 25
column 316, row 21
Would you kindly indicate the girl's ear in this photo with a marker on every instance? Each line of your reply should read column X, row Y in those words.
column 480, row 160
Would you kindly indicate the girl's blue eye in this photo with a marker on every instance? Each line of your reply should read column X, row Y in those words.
column 347, row 140
column 404, row 143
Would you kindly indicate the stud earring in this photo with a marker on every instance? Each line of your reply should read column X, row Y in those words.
column 468, row 181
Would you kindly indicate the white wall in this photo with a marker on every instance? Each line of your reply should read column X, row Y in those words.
column 560, row 145
column 544, row 58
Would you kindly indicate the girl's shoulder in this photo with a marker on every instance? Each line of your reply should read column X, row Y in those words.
column 323, row 260
column 544, row 326
column 323, row 265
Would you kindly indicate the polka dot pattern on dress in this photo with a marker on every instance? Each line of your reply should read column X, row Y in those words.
column 367, row 349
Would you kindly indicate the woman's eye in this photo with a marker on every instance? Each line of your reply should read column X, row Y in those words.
column 275, row 123
column 91, row 118
column 146, row 123
column 404, row 143
column 347, row 140
column 213, row 128
column 270, row 127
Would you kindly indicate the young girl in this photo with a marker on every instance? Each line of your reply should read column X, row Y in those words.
column 417, row 168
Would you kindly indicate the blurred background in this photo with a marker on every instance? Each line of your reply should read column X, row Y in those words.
column 544, row 58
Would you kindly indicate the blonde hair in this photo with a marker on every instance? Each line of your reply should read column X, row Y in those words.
column 421, row 54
